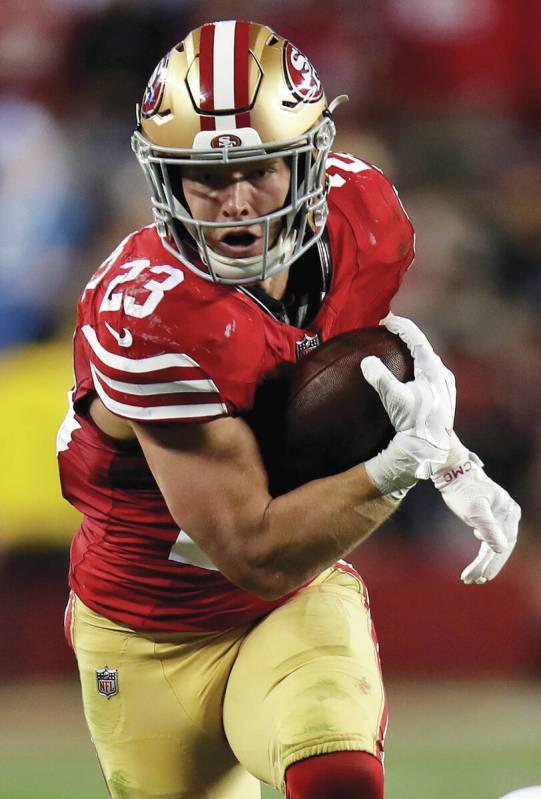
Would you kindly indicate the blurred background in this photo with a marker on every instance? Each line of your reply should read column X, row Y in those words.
column 445, row 97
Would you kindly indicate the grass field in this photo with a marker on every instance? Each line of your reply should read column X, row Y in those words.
column 445, row 741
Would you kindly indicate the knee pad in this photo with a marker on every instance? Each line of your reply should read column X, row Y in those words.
column 348, row 775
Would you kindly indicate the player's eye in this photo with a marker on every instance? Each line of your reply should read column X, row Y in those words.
column 262, row 172
column 205, row 178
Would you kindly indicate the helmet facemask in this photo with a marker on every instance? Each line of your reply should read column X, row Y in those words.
column 302, row 216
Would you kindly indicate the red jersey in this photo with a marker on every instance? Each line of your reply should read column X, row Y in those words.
column 158, row 343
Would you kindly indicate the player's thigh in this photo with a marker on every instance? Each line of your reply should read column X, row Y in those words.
column 307, row 681
column 157, row 724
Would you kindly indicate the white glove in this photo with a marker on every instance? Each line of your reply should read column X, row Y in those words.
column 421, row 411
column 482, row 504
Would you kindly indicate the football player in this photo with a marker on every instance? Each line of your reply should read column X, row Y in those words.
column 220, row 637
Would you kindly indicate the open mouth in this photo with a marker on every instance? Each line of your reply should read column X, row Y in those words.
column 239, row 243
column 239, row 239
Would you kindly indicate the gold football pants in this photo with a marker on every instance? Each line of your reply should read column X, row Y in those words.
column 201, row 716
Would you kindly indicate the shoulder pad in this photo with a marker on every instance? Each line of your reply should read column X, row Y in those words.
column 370, row 203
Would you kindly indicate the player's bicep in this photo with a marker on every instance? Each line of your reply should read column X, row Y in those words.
column 214, row 483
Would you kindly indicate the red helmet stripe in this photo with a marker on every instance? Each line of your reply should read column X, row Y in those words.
column 242, row 93
column 206, row 75
column 243, row 120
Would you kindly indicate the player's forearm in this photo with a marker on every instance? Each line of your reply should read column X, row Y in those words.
column 308, row 529
column 215, row 486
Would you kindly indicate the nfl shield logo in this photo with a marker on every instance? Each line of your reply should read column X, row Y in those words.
column 107, row 681
column 307, row 344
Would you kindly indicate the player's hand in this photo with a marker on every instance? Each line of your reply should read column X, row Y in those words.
column 421, row 411
column 483, row 505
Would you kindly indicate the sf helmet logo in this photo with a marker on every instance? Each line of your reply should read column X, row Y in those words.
column 154, row 90
column 225, row 140
column 301, row 76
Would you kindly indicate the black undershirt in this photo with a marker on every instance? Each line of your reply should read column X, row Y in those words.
column 308, row 282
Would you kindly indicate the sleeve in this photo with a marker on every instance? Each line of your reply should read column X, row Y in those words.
column 145, row 387
column 370, row 203
column 391, row 226
column 383, row 266
column 380, row 231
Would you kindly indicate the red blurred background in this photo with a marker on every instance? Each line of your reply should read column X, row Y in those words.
column 445, row 98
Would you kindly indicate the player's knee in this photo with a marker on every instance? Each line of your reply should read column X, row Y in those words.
column 348, row 775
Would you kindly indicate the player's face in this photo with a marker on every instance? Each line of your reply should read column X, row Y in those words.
column 231, row 193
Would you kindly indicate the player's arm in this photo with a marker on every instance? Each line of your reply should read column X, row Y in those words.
column 215, row 485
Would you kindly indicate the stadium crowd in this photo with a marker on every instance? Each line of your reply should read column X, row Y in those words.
column 444, row 97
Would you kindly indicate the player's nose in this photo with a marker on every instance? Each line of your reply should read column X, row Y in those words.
column 236, row 200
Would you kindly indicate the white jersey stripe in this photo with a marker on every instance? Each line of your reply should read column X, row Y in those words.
column 142, row 390
column 68, row 426
column 133, row 365
column 159, row 412
column 224, row 68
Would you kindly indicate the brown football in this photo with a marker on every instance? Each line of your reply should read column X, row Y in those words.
column 320, row 416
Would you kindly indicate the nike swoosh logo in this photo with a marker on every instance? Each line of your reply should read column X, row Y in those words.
column 124, row 340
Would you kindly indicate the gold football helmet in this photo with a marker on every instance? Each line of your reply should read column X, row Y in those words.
column 235, row 92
